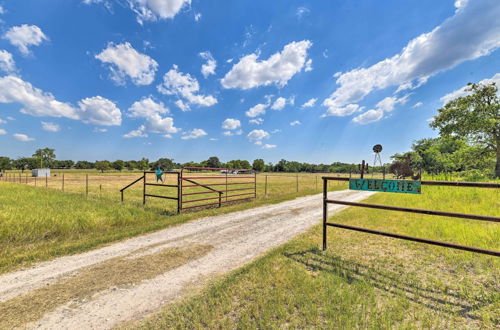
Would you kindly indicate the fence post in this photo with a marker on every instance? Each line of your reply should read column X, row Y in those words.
column 254, row 186
column 86, row 184
column 325, row 211
column 220, row 199
column 46, row 180
column 179, row 193
column 144, row 189
column 265, row 188
column 226, row 184
column 297, row 180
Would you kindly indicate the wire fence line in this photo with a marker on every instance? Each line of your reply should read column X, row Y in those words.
column 109, row 184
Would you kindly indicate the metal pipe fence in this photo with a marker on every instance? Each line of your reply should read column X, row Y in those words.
column 327, row 224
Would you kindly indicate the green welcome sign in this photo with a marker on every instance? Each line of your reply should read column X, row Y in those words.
column 395, row 186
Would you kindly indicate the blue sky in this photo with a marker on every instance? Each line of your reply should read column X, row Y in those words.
column 316, row 81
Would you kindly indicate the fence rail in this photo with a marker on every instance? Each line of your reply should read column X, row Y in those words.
column 327, row 201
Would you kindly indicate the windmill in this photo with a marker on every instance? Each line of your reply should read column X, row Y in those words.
column 377, row 149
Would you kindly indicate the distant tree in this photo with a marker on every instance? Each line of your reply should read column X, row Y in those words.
column 45, row 156
column 5, row 163
column 118, row 165
column 213, row 162
column 25, row 163
column 102, row 165
column 165, row 164
column 84, row 165
column 258, row 165
column 66, row 164
column 143, row 164
column 131, row 165
column 475, row 118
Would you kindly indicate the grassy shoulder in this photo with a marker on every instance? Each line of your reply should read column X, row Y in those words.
column 363, row 281
column 38, row 224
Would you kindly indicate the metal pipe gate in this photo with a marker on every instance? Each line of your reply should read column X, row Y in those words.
column 230, row 185
column 327, row 201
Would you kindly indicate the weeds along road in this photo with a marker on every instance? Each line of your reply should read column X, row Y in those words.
column 227, row 241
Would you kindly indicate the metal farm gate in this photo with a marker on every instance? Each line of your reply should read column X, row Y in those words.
column 403, row 186
column 198, row 187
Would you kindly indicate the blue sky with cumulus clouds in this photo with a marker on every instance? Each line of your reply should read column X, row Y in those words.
column 314, row 81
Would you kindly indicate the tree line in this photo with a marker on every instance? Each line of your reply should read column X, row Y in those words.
column 46, row 158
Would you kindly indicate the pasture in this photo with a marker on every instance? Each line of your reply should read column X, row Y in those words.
column 364, row 281
column 42, row 222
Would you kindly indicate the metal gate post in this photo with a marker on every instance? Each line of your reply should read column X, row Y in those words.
column 325, row 211
column 144, row 189
column 179, row 193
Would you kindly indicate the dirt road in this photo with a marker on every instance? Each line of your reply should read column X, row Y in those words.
column 235, row 239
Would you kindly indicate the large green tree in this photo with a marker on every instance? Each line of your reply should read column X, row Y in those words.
column 475, row 118
column 45, row 156
column 258, row 165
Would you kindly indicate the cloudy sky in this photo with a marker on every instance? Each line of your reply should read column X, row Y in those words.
column 315, row 81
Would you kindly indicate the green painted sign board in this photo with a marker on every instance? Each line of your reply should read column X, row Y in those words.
column 395, row 186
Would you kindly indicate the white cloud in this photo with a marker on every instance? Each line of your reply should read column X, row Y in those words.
column 388, row 103
column 150, row 110
column 257, row 135
column 368, row 117
column 146, row 108
column 277, row 130
column 2, row 121
column 138, row 133
column 194, row 134
column 268, row 146
column 231, row 133
column 295, row 123
column 256, row 121
column 181, row 105
column 124, row 61
column 310, row 103
column 50, row 127
column 209, row 67
column 301, row 11
column 154, row 10
column 24, row 36
column 463, row 91
column 23, row 137
column 472, row 32
column 279, row 103
column 231, row 124
column 98, row 110
column 2, row 131
column 249, row 72
column 342, row 111
column 418, row 104
column 183, row 85
column 35, row 102
column 256, row 110
column 7, row 63
column 308, row 65
column 2, row 11
column 100, row 130
column 197, row 17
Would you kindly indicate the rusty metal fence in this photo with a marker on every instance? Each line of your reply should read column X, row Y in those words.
column 198, row 187
column 327, row 224
column 205, row 186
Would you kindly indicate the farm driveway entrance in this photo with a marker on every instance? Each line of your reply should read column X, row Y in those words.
column 233, row 239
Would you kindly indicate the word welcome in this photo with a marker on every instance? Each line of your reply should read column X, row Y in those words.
column 395, row 186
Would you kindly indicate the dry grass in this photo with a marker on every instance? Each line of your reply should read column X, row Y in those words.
column 115, row 273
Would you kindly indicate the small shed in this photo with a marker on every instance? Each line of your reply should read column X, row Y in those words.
column 40, row 172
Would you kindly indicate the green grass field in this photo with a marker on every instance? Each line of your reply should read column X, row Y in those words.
column 363, row 281
column 38, row 224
